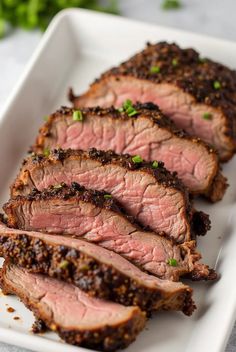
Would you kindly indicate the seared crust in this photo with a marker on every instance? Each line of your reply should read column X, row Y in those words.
column 191, row 73
column 96, row 278
column 108, row 338
column 217, row 189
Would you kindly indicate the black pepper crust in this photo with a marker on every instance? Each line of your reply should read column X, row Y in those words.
column 90, row 275
column 39, row 327
column 107, row 338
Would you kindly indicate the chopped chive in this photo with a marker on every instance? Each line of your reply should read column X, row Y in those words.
column 171, row 4
column 207, row 116
column 64, row 264
column 216, row 85
column 202, row 60
column 137, row 159
column 46, row 152
column 77, row 115
column 174, row 62
column 46, row 118
column 132, row 113
column 107, row 196
column 172, row 262
column 127, row 104
column 155, row 69
column 128, row 108
column 155, row 164
column 58, row 186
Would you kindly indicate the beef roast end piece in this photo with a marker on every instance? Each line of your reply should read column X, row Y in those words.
column 78, row 318
column 96, row 270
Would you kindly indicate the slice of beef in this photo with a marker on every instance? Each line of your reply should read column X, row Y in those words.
column 148, row 133
column 68, row 211
column 78, row 318
column 153, row 195
column 198, row 95
column 95, row 270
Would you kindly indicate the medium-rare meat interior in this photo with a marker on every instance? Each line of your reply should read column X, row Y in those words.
column 64, row 210
column 154, row 196
column 197, row 94
column 144, row 131
column 78, row 318
column 93, row 269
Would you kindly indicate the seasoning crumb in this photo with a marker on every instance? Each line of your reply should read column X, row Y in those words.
column 39, row 327
column 11, row 310
column 16, row 318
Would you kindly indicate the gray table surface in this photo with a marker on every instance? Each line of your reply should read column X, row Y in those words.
column 212, row 17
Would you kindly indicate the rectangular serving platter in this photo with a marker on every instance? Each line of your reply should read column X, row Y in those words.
column 75, row 49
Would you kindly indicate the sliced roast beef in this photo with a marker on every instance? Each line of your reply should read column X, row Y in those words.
column 146, row 133
column 69, row 210
column 78, row 318
column 153, row 195
column 93, row 269
column 198, row 95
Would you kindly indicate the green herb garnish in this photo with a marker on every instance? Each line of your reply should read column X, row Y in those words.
column 137, row 159
column 216, row 85
column 64, row 264
column 46, row 118
column 172, row 262
column 46, row 152
column 174, row 62
column 155, row 164
column 128, row 108
column 202, row 60
column 155, row 69
column 58, row 186
column 207, row 116
column 31, row 14
column 77, row 115
column 171, row 4
column 107, row 196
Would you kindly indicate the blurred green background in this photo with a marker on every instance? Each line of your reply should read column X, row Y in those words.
column 30, row 14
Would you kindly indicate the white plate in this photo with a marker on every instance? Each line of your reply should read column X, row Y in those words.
column 76, row 48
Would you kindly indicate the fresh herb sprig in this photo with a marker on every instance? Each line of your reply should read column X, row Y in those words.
column 30, row 14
